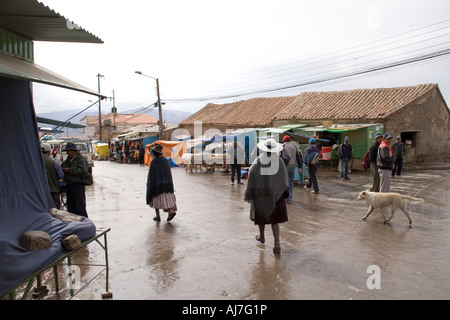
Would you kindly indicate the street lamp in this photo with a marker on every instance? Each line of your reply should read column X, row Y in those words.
column 161, row 128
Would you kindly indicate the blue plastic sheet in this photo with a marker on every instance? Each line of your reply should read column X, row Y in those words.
column 24, row 194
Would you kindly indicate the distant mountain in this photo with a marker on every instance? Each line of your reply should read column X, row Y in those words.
column 169, row 116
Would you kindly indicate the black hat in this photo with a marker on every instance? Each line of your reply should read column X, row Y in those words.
column 71, row 146
column 157, row 148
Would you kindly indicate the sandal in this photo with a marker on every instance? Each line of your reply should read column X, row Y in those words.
column 156, row 219
column 171, row 216
column 260, row 239
column 277, row 249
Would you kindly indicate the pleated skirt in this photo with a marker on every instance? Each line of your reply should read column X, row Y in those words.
column 164, row 201
column 279, row 214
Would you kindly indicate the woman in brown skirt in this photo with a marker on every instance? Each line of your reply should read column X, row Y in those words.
column 160, row 191
column 266, row 190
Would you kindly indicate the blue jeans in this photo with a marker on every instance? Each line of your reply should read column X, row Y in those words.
column 291, row 172
column 344, row 168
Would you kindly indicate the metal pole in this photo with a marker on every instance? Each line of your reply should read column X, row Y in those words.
column 160, row 122
column 161, row 126
column 99, row 109
column 114, row 111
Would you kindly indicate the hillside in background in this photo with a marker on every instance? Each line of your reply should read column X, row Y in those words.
column 169, row 116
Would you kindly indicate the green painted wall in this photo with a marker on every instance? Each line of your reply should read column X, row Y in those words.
column 16, row 45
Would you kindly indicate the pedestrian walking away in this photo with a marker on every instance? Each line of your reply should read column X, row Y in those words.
column 74, row 168
column 312, row 167
column 54, row 174
column 141, row 155
column 295, row 159
column 266, row 191
column 160, row 191
column 237, row 159
column 345, row 153
column 385, row 163
column 399, row 153
column 373, row 152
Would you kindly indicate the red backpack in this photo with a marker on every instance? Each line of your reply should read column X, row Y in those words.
column 366, row 163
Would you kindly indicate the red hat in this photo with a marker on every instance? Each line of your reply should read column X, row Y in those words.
column 287, row 138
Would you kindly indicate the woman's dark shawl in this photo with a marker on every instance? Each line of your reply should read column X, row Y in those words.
column 159, row 179
column 264, row 190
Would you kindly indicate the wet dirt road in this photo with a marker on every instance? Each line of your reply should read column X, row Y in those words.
column 209, row 250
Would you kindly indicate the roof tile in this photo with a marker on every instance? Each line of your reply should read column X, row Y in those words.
column 338, row 105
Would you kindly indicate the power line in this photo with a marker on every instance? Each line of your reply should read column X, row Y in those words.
column 417, row 59
column 289, row 71
column 343, row 53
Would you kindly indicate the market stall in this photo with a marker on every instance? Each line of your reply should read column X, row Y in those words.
column 171, row 149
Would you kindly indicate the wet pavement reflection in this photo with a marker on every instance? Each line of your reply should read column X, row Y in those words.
column 209, row 250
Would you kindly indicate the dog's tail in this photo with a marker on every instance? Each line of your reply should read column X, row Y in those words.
column 413, row 199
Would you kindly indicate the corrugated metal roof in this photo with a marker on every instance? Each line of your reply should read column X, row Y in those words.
column 11, row 67
column 129, row 118
column 35, row 21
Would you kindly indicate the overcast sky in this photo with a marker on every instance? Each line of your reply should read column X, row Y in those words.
column 206, row 49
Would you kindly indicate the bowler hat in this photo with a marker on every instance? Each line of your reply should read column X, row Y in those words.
column 71, row 146
column 157, row 148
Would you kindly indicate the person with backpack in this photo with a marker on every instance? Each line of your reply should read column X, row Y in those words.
column 345, row 153
column 385, row 163
column 373, row 151
column 291, row 158
column 311, row 162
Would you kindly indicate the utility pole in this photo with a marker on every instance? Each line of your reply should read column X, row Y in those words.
column 160, row 122
column 99, row 108
column 114, row 111
column 161, row 126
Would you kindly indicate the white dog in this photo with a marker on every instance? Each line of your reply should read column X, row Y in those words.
column 382, row 200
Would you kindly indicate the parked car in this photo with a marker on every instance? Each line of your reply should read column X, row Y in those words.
column 85, row 149
column 54, row 145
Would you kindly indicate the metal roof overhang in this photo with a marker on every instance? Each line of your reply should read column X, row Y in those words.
column 303, row 139
column 286, row 128
column 11, row 67
column 59, row 123
column 349, row 127
column 35, row 21
column 49, row 130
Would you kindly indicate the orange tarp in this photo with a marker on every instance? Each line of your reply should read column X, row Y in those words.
column 171, row 149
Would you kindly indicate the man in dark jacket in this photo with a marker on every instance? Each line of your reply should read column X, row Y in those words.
column 312, row 168
column 373, row 151
column 74, row 167
column 399, row 153
column 54, row 174
column 345, row 153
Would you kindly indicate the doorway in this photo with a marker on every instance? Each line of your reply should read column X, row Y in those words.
column 410, row 140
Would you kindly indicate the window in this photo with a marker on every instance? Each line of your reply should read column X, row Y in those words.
column 409, row 138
